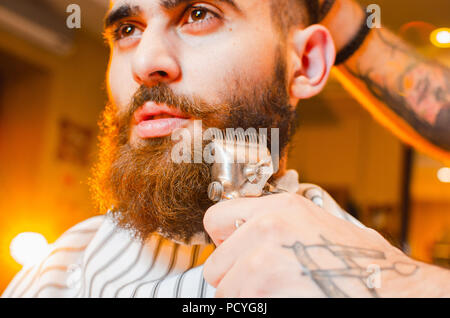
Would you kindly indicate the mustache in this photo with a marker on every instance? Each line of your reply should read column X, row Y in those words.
column 193, row 106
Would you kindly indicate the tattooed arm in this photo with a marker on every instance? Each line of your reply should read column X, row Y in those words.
column 366, row 270
column 288, row 246
column 404, row 91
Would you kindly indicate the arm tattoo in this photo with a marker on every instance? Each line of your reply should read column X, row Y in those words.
column 324, row 278
column 417, row 90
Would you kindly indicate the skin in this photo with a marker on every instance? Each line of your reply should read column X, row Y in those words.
column 262, row 257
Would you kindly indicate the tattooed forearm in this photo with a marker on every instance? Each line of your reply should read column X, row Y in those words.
column 415, row 89
column 326, row 278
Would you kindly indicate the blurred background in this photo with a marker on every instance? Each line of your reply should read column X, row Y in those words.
column 52, row 92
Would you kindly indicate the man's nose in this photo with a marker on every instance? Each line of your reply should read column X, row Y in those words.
column 153, row 62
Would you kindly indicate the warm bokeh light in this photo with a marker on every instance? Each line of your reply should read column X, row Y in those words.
column 441, row 37
column 444, row 175
column 28, row 248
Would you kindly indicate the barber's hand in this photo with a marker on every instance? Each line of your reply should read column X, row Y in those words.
column 286, row 246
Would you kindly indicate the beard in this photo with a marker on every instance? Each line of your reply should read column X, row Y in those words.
column 144, row 190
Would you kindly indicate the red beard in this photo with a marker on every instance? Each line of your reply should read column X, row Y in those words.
column 144, row 190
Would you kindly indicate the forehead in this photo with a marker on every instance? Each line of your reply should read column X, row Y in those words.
column 241, row 5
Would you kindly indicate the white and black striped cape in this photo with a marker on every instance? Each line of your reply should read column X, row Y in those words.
column 97, row 259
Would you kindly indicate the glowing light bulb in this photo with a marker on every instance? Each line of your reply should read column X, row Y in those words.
column 29, row 248
column 444, row 175
column 441, row 37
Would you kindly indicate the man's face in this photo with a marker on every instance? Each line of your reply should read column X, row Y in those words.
column 196, row 47
column 173, row 62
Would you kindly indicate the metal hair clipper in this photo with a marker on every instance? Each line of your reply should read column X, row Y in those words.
column 242, row 168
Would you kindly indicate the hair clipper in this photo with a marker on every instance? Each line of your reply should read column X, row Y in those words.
column 242, row 167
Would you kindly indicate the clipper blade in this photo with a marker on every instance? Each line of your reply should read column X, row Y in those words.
column 242, row 166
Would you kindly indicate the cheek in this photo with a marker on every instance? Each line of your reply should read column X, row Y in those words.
column 212, row 70
column 120, row 81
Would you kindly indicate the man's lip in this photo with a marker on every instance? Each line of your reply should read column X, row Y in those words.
column 162, row 127
column 150, row 110
column 147, row 126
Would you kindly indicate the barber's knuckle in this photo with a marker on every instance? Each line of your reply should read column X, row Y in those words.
column 256, row 292
column 266, row 287
column 274, row 276
column 266, row 271
column 260, row 289
column 257, row 261
column 293, row 201
column 209, row 220
column 288, row 198
column 220, row 292
column 268, row 224
column 254, row 263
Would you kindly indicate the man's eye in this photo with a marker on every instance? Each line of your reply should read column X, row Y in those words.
column 124, row 31
column 200, row 20
column 199, row 15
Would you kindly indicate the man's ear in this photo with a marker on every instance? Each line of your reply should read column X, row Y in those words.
column 313, row 54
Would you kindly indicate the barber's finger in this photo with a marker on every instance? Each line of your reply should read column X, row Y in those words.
column 315, row 194
column 241, row 275
column 224, row 273
column 257, row 238
column 319, row 197
column 244, row 241
column 222, row 219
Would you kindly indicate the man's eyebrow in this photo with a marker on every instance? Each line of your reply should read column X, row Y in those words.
column 122, row 12
column 171, row 4
column 126, row 10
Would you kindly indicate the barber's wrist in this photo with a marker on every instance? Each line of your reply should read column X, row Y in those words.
column 344, row 21
column 432, row 281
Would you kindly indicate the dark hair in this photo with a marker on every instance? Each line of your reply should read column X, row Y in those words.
column 289, row 13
